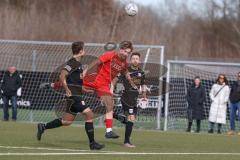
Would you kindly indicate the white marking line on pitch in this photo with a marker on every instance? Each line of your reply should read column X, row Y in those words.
column 113, row 153
column 49, row 149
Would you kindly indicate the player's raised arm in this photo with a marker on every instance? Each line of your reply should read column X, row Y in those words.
column 107, row 56
column 96, row 62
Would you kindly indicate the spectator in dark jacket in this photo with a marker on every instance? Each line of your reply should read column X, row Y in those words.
column 10, row 84
column 234, row 104
column 195, row 99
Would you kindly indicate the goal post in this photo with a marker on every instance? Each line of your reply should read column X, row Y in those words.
column 36, row 60
column 180, row 75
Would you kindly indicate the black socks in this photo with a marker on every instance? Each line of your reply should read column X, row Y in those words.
column 90, row 131
column 128, row 131
column 58, row 123
column 54, row 124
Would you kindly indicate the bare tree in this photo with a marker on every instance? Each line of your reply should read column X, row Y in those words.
column 215, row 33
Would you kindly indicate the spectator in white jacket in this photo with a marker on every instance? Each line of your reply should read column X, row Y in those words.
column 219, row 95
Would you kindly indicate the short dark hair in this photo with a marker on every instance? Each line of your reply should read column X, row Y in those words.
column 125, row 45
column 135, row 54
column 77, row 47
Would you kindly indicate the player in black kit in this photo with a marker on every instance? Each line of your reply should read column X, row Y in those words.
column 71, row 79
column 130, row 96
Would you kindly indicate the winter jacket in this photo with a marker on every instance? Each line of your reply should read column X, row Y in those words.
column 235, row 93
column 218, row 109
column 11, row 83
column 195, row 98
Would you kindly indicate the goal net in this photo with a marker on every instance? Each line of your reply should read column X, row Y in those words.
column 37, row 62
column 180, row 77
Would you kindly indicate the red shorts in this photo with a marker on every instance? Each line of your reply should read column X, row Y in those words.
column 101, row 88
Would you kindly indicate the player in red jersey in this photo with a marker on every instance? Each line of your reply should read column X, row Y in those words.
column 109, row 65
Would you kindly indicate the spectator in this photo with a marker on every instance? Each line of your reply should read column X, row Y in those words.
column 195, row 99
column 234, row 104
column 219, row 95
column 10, row 84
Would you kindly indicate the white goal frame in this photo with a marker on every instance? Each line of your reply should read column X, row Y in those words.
column 147, row 47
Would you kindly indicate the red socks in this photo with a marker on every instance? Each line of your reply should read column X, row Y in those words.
column 108, row 123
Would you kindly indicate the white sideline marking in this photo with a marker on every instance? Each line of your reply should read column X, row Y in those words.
column 49, row 149
column 113, row 153
column 88, row 152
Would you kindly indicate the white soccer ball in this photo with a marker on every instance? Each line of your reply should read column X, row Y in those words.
column 131, row 9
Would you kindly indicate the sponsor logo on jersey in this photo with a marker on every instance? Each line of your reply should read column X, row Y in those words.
column 68, row 68
column 83, row 103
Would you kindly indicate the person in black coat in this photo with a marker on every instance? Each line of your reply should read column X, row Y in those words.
column 195, row 99
column 10, row 84
column 234, row 105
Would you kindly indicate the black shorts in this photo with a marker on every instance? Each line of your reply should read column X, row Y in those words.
column 129, row 109
column 75, row 105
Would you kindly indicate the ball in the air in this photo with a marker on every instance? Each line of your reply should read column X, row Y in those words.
column 131, row 9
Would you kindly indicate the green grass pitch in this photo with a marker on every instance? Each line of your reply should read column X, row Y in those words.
column 18, row 142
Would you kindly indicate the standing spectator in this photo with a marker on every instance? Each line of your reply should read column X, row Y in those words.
column 219, row 95
column 10, row 84
column 234, row 104
column 195, row 99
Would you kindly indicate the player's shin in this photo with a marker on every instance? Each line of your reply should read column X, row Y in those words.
column 54, row 124
column 109, row 121
column 128, row 132
column 109, row 124
column 89, row 131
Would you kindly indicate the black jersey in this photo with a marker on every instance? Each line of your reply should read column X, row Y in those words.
column 130, row 94
column 74, row 80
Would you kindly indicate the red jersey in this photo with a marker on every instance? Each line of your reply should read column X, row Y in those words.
column 111, row 66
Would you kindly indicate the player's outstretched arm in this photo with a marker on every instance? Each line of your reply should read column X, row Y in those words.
column 91, row 66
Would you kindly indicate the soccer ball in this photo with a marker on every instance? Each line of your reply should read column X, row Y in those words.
column 131, row 9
